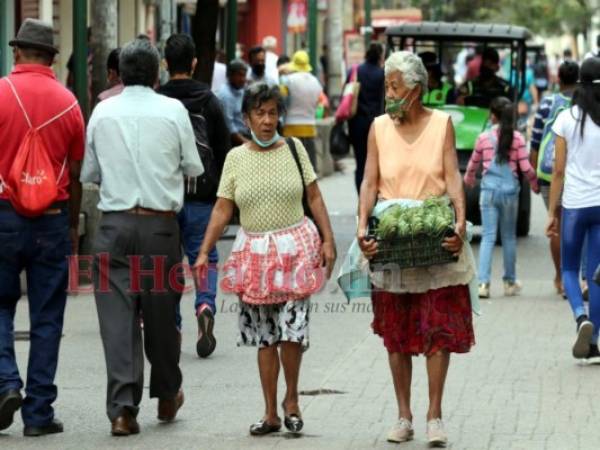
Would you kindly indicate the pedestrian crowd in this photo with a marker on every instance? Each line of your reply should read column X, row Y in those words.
column 176, row 163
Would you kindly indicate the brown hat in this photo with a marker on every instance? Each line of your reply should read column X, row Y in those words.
column 35, row 34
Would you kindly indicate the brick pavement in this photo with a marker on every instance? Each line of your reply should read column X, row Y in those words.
column 518, row 389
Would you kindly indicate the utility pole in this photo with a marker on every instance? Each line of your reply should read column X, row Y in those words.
column 3, row 37
column 368, row 30
column 104, row 39
column 80, row 50
column 312, row 34
column 335, row 48
column 166, row 22
column 231, row 28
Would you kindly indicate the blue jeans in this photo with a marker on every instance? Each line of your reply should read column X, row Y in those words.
column 193, row 221
column 498, row 208
column 39, row 246
column 576, row 223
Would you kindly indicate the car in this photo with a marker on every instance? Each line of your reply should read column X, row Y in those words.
column 448, row 40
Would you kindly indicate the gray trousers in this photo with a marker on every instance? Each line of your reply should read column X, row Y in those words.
column 135, row 259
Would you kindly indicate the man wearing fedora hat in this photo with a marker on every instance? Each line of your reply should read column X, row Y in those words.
column 32, row 98
column 303, row 90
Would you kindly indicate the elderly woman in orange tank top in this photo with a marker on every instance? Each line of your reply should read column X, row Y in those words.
column 411, row 155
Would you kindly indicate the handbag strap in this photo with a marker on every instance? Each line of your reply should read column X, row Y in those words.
column 292, row 145
column 354, row 73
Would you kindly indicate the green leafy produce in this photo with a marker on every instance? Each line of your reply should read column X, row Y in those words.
column 432, row 217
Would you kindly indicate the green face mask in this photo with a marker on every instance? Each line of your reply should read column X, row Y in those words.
column 396, row 108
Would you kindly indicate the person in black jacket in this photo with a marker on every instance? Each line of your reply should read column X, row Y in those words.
column 193, row 219
column 370, row 105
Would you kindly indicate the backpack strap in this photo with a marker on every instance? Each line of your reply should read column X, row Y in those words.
column 58, row 116
column 20, row 102
column 14, row 91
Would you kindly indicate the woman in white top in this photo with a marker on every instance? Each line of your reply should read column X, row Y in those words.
column 577, row 170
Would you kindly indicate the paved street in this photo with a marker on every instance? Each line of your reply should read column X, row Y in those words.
column 518, row 389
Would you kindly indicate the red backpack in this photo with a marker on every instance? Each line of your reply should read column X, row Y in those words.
column 31, row 183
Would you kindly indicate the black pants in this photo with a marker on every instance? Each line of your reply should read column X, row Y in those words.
column 135, row 269
column 311, row 149
column 359, row 134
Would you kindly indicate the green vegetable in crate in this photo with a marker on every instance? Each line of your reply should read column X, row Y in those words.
column 388, row 223
column 433, row 217
column 404, row 229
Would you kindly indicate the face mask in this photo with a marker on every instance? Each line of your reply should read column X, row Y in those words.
column 265, row 144
column 258, row 70
column 397, row 108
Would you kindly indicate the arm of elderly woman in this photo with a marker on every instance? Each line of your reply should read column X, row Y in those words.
column 368, row 196
column 320, row 216
column 455, row 191
column 220, row 217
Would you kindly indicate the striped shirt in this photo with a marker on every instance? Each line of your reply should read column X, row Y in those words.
column 539, row 122
column 485, row 152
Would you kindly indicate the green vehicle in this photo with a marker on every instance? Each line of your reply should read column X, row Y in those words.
column 450, row 42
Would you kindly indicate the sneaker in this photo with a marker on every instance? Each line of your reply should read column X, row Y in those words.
column 436, row 435
column 402, row 431
column 585, row 329
column 484, row 290
column 206, row 340
column 593, row 356
column 512, row 288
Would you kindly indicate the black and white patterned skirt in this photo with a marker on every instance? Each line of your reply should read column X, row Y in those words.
column 267, row 325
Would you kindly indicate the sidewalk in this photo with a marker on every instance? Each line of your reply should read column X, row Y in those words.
column 518, row 389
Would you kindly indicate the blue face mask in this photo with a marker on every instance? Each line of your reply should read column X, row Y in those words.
column 265, row 144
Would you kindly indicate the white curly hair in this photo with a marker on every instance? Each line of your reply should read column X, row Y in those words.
column 410, row 67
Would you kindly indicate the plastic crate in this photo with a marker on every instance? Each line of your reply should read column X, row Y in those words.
column 420, row 250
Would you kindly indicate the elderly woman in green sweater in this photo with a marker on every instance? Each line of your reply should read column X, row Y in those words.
column 278, row 258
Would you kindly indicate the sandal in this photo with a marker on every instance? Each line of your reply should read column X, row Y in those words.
column 262, row 427
column 293, row 422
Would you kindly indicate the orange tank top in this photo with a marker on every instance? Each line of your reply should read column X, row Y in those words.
column 413, row 171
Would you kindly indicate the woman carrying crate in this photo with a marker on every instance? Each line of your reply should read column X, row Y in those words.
column 424, row 310
column 502, row 152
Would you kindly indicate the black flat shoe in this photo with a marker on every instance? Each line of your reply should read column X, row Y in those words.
column 262, row 427
column 10, row 402
column 293, row 423
column 53, row 427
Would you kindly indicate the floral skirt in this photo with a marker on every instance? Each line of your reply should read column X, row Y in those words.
column 439, row 319
column 275, row 267
column 267, row 325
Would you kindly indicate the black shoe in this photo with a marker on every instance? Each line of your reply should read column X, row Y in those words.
column 53, row 427
column 10, row 402
column 593, row 356
column 585, row 329
column 206, row 340
column 263, row 427
column 293, row 423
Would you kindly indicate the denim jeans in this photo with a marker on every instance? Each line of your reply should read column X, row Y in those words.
column 498, row 208
column 39, row 246
column 577, row 224
column 193, row 221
